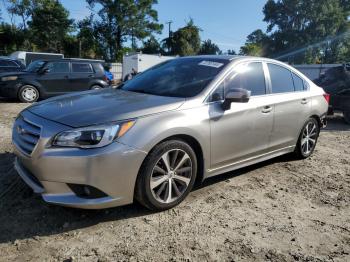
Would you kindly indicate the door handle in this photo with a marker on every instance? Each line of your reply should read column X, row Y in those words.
column 304, row 101
column 266, row 109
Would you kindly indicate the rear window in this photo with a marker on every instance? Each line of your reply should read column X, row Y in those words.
column 81, row 68
column 281, row 79
column 298, row 83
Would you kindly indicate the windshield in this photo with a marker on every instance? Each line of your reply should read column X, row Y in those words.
column 35, row 66
column 184, row 77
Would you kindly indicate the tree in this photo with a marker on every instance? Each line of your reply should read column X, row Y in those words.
column 209, row 48
column 295, row 26
column 231, row 52
column 151, row 46
column 50, row 25
column 11, row 38
column 185, row 41
column 255, row 44
column 122, row 20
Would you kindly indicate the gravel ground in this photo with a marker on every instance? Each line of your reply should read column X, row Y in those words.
column 280, row 210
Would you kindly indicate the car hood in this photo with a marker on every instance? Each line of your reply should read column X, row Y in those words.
column 15, row 73
column 102, row 106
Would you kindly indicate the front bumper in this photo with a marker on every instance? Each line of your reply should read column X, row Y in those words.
column 51, row 171
column 9, row 89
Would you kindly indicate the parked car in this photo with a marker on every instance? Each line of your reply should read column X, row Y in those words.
column 175, row 124
column 10, row 65
column 43, row 79
column 336, row 82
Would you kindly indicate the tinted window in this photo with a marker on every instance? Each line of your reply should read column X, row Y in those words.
column 281, row 79
column 58, row 67
column 183, row 77
column 298, row 83
column 81, row 68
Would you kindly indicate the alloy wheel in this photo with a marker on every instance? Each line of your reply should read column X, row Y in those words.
column 309, row 138
column 171, row 176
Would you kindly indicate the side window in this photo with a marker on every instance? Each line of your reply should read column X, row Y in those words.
column 281, row 79
column 81, row 68
column 246, row 76
column 298, row 83
column 58, row 67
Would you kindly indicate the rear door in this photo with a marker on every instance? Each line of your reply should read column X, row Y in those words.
column 242, row 132
column 81, row 76
column 292, row 105
column 56, row 79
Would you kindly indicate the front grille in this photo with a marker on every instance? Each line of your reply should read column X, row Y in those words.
column 25, row 135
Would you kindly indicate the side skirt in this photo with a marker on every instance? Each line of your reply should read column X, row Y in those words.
column 248, row 162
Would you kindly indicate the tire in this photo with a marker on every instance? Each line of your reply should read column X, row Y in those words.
column 28, row 94
column 155, row 171
column 307, row 139
column 96, row 87
column 347, row 116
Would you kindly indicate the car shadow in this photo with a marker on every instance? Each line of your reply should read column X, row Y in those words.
column 24, row 214
column 336, row 123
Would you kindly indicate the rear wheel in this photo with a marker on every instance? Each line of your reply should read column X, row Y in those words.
column 28, row 94
column 347, row 116
column 166, row 176
column 308, row 139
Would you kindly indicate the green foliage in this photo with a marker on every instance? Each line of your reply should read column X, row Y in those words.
column 11, row 38
column 185, row 41
column 50, row 25
column 231, row 52
column 308, row 30
column 256, row 44
column 151, row 46
column 122, row 20
column 209, row 48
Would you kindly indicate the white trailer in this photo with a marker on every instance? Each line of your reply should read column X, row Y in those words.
column 27, row 57
column 141, row 62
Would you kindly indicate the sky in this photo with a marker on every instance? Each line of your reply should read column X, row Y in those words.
column 225, row 22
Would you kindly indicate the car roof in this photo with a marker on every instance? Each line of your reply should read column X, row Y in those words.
column 71, row 60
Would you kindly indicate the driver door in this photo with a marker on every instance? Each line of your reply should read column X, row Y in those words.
column 242, row 132
column 55, row 79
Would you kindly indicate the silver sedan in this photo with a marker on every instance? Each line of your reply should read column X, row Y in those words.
column 170, row 127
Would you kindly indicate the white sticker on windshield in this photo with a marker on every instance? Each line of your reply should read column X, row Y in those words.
column 211, row 64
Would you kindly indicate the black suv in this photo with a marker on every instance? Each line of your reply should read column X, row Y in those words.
column 43, row 79
column 336, row 82
column 10, row 65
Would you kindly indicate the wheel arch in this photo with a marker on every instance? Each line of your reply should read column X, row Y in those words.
column 195, row 145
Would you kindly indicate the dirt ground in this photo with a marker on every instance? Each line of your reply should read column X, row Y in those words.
column 280, row 210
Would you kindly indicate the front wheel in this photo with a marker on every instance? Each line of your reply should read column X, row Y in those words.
column 28, row 94
column 167, row 175
column 308, row 139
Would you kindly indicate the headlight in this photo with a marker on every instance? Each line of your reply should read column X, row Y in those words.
column 92, row 137
column 9, row 78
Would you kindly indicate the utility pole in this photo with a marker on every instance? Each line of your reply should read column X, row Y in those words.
column 169, row 23
column 169, row 39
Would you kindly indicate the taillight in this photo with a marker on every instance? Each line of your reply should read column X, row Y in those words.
column 327, row 97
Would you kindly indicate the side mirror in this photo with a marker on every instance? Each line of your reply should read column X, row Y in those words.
column 237, row 95
column 44, row 71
